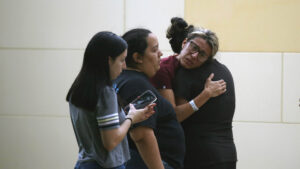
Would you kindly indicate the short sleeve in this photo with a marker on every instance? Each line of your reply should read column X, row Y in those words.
column 162, row 79
column 107, row 109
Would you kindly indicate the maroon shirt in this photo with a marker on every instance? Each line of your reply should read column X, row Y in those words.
column 165, row 75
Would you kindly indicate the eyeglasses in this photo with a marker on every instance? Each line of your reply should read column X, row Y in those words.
column 194, row 48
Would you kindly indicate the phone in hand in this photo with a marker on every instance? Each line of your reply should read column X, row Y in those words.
column 142, row 100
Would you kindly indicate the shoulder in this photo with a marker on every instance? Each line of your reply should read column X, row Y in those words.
column 129, row 76
column 164, row 76
column 170, row 62
column 133, row 79
column 107, row 92
column 107, row 97
column 131, row 85
column 220, row 68
column 221, row 65
column 130, row 79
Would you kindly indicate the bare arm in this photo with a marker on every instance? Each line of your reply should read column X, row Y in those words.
column 183, row 109
column 146, row 143
column 111, row 138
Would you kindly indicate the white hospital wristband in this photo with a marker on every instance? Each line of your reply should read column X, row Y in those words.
column 192, row 103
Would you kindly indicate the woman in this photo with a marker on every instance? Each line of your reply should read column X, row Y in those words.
column 99, row 124
column 163, row 80
column 208, row 130
column 157, row 142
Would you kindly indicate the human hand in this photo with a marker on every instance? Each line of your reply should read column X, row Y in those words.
column 139, row 115
column 183, row 53
column 215, row 88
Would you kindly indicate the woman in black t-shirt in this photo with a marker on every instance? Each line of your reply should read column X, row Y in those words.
column 158, row 142
column 207, row 117
column 208, row 132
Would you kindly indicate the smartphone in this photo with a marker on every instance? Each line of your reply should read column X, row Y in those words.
column 142, row 100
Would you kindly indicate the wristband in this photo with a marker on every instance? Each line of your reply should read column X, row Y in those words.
column 192, row 103
column 129, row 118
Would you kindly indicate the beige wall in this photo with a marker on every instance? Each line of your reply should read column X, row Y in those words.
column 249, row 25
column 259, row 41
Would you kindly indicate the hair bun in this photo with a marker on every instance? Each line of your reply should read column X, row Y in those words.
column 179, row 23
column 177, row 32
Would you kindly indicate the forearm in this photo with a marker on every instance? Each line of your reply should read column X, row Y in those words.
column 149, row 151
column 112, row 137
column 184, row 109
column 202, row 98
column 169, row 95
column 122, row 131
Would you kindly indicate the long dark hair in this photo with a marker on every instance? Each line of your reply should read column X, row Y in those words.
column 94, row 73
column 137, row 42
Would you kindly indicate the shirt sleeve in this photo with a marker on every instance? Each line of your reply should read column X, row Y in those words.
column 162, row 79
column 107, row 110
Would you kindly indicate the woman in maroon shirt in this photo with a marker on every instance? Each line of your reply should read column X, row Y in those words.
column 184, row 41
column 206, row 118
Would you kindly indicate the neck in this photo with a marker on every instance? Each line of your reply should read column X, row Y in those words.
column 134, row 69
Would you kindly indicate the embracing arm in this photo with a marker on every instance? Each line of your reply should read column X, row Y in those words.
column 146, row 143
column 183, row 109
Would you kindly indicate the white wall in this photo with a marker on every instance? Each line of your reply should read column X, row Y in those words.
column 41, row 49
column 267, row 117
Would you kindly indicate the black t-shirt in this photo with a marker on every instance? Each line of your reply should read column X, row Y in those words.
column 168, row 131
column 208, row 131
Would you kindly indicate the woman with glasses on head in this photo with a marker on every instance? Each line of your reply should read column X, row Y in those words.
column 206, row 117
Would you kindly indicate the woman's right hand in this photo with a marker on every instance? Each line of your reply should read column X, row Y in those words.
column 139, row 115
column 215, row 88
